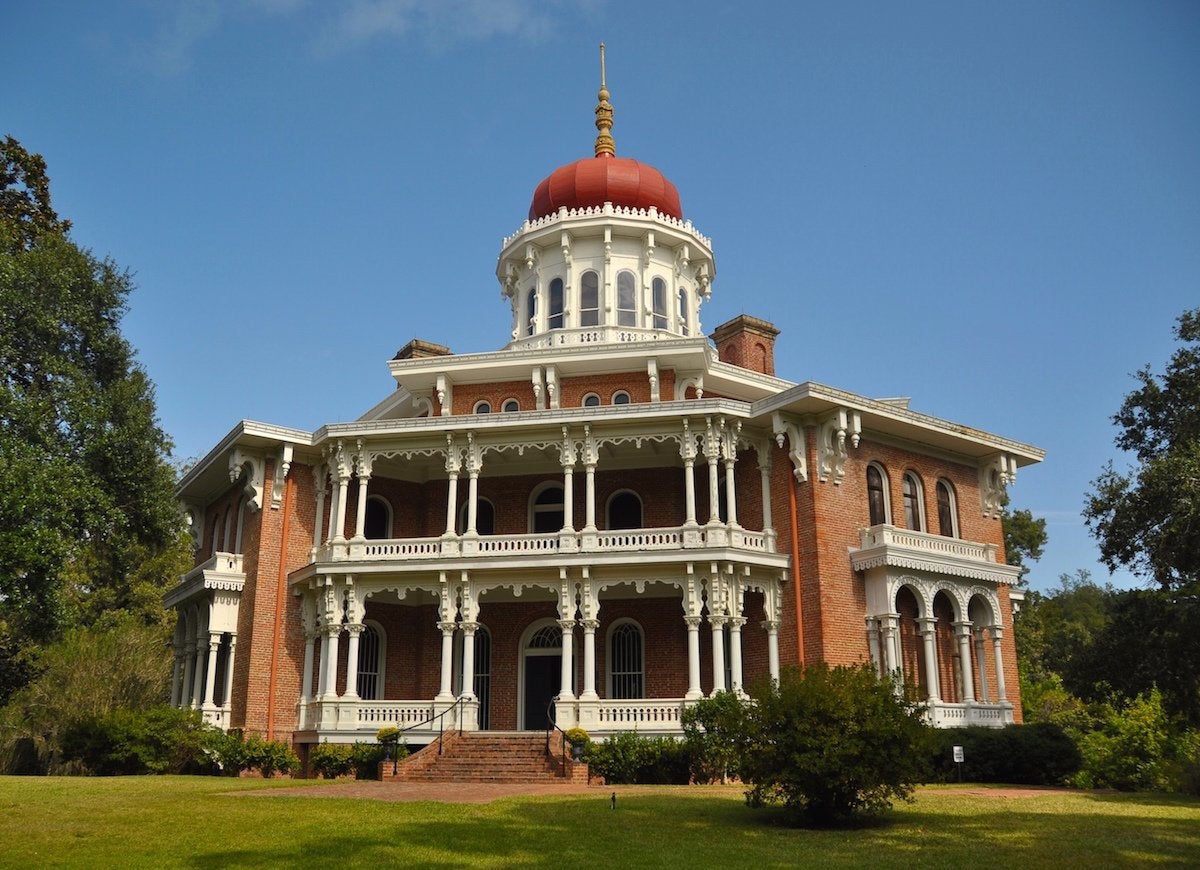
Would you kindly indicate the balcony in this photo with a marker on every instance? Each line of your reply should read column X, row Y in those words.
column 990, row 715
column 886, row 545
column 223, row 571
column 489, row 546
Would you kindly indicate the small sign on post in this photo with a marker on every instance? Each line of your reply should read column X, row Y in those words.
column 958, row 759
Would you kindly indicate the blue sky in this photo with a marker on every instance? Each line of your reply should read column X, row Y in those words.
column 991, row 208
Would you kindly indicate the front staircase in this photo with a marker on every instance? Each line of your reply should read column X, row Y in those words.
column 490, row 756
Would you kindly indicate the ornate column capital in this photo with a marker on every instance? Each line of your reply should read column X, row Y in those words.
column 447, row 627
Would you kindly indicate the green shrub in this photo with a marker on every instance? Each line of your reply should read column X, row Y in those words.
column 126, row 742
column 1130, row 750
column 1037, row 754
column 365, row 758
column 628, row 757
column 1184, row 767
column 331, row 760
column 832, row 744
column 268, row 756
column 714, row 732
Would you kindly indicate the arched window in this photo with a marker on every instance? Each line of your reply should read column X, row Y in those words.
column 683, row 311
column 555, row 319
column 371, row 657
column 546, row 512
column 658, row 293
column 947, row 510
column 620, row 397
column 626, row 299
column 913, row 503
column 531, row 311
column 624, row 511
column 215, row 540
column 511, row 405
column 877, row 499
column 591, row 400
column 485, row 517
column 483, row 407
column 483, row 675
column 589, row 299
column 626, row 662
column 378, row 525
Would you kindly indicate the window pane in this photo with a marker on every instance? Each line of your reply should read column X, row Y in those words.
column 875, row 496
column 626, row 657
column 589, row 299
column 626, row 300
column 912, row 505
column 945, row 510
column 531, row 310
column 659, row 292
column 556, row 304
column 683, row 312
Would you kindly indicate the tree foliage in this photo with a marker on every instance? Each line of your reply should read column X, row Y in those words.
column 833, row 744
column 1148, row 518
column 86, row 495
column 714, row 732
column 1024, row 537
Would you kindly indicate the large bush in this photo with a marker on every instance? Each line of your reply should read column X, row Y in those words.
column 832, row 744
column 1131, row 750
column 1037, row 754
column 124, row 741
column 714, row 732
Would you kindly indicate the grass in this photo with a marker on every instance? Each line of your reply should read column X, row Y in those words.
column 201, row 822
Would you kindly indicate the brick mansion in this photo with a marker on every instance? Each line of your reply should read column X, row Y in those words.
column 611, row 516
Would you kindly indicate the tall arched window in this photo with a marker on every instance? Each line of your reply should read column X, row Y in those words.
column 555, row 312
column 378, row 524
column 913, row 506
column 683, row 311
column 658, row 293
column 483, row 675
column 624, row 511
column 485, row 517
column 370, row 662
column 589, row 299
column 947, row 510
column 546, row 512
column 626, row 664
column 531, row 311
column 877, row 495
column 626, row 299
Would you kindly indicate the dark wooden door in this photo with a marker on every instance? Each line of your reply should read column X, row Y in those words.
column 542, row 677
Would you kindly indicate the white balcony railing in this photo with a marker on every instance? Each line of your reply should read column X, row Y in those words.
column 625, row 540
column 642, row 714
column 891, row 536
column 942, row 714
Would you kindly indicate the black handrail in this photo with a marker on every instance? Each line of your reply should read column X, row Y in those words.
column 441, row 720
column 552, row 725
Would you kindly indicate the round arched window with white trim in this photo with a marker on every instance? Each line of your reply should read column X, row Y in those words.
column 626, row 660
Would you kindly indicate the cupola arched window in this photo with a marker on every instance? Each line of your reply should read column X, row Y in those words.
column 658, row 292
column 555, row 312
column 947, row 510
column 683, row 311
column 877, row 500
column 511, row 405
column 626, row 299
column 378, row 525
column 913, row 506
column 620, row 397
column 591, row 400
column 531, row 311
column 589, row 299
column 483, row 407
column 546, row 512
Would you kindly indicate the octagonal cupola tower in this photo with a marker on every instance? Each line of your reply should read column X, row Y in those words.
column 605, row 255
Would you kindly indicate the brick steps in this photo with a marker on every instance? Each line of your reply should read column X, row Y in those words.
column 488, row 757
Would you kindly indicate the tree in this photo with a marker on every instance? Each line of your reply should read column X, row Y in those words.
column 1148, row 518
column 86, row 496
column 1024, row 537
column 833, row 744
column 714, row 730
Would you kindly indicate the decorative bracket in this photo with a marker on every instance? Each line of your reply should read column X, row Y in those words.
column 831, row 443
column 565, row 240
column 445, row 394
column 652, row 372
column 995, row 474
column 797, row 444
column 538, row 386
column 282, row 463
column 253, row 468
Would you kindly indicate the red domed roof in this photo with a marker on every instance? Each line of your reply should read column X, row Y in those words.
column 594, row 181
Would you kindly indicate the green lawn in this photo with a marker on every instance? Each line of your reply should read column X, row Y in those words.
column 200, row 822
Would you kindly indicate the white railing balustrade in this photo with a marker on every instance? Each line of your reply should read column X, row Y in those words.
column 642, row 714
column 878, row 536
column 641, row 539
column 945, row 714
column 377, row 714
column 509, row 544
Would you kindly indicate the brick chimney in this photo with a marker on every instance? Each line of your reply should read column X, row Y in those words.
column 418, row 349
column 747, row 342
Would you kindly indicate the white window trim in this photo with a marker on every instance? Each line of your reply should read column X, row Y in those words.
column 608, row 653
column 887, row 492
column 379, row 679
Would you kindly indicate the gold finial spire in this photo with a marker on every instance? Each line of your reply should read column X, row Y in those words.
column 604, row 116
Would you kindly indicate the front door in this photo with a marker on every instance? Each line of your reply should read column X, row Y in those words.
column 542, row 676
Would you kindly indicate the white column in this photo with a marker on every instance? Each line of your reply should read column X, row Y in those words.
column 714, row 499
column 210, row 671
column 874, row 644
column 177, row 678
column 360, row 519
column 932, row 676
column 589, row 659
column 452, row 503
column 319, row 486
column 323, row 666
column 568, row 640
column 887, row 630
column 226, row 701
column 189, row 670
column 735, row 652
column 445, row 693
column 568, row 498
column 693, row 634
column 997, row 637
column 590, row 486
column 689, row 489
column 981, row 666
column 353, row 632
column 730, row 491
column 310, row 643
column 964, row 653
column 468, row 660
column 200, row 652
column 772, row 627
column 472, row 500
column 339, row 528
column 764, row 468
column 329, row 661
column 718, row 652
